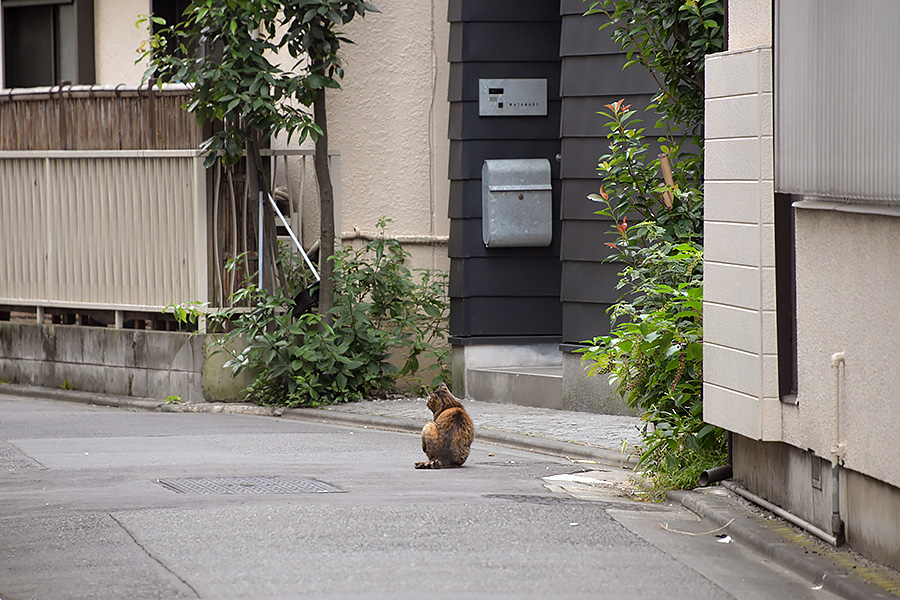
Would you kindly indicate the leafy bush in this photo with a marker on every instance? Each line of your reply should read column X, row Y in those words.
column 654, row 352
column 381, row 309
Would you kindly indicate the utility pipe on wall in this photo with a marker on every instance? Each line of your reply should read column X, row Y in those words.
column 838, row 361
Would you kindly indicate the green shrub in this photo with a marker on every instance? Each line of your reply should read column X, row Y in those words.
column 653, row 355
column 381, row 309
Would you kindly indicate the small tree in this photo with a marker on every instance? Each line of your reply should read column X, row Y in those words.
column 653, row 354
column 228, row 52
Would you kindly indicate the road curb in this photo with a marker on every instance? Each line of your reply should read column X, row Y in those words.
column 749, row 529
column 137, row 403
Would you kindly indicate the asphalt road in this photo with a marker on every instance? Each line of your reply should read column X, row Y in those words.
column 88, row 510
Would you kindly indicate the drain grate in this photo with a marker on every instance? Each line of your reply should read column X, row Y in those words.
column 247, row 485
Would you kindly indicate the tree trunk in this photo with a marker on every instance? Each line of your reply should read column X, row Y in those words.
column 326, row 205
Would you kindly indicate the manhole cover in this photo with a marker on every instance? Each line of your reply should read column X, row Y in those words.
column 247, row 485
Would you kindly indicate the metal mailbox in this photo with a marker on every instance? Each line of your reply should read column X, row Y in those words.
column 516, row 200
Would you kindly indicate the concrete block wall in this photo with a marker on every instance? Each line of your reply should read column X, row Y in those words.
column 740, row 348
column 125, row 362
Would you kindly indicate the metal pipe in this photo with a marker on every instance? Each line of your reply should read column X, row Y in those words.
column 359, row 234
column 259, row 260
column 294, row 238
column 838, row 360
column 794, row 519
column 713, row 475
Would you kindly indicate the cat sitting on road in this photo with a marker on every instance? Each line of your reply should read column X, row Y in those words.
column 447, row 438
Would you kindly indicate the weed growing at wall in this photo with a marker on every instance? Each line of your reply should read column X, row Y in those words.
column 654, row 354
column 388, row 325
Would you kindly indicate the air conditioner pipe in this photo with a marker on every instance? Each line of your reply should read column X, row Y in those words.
column 710, row 476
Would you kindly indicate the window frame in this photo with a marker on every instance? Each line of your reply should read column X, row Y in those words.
column 85, row 69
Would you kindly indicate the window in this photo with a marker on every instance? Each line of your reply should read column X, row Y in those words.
column 46, row 42
column 786, row 297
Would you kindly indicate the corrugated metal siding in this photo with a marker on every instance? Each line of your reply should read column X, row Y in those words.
column 837, row 126
column 111, row 230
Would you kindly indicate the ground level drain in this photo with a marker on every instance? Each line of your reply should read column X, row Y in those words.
column 247, row 485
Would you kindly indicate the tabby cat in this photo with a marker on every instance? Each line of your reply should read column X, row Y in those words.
column 447, row 438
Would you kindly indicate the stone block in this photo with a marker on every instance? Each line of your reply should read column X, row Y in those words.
column 733, row 117
column 217, row 382
column 734, row 285
column 731, row 327
column 732, row 202
column 732, row 369
column 733, row 159
column 590, row 394
column 732, row 243
column 69, row 343
column 732, row 410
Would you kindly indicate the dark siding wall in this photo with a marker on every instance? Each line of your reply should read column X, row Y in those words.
column 508, row 294
column 591, row 76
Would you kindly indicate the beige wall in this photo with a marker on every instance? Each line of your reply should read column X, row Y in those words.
column 749, row 24
column 116, row 40
column 848, row 300
column 390, row 123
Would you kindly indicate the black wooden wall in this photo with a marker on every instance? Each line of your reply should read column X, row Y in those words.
column 503, row 295
column 591, row 76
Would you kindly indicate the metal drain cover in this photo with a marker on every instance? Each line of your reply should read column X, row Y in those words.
column 247, row 485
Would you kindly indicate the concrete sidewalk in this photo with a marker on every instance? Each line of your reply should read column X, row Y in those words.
column 583, row 437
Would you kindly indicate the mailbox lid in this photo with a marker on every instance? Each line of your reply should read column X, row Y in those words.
column 516, row 174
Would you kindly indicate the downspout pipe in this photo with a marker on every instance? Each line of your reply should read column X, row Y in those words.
column 838, row 364
column 711, row 476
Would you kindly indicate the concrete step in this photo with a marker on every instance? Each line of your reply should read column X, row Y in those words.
column 539, row 386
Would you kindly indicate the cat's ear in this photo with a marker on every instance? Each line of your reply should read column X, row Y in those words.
column 443, row 387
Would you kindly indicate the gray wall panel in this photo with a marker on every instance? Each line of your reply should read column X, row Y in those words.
column 464, row 76
column 502, row 10
column 499, row 42
column 603, row 76
column 507, row 276
column 505, row 316
column 467, row 157
column 466, row 242
column 585, row 240
column 590, row 282
column 583, row 321
column 575, row 204
column 580, row 36
column 580, row 116
column 466, row 124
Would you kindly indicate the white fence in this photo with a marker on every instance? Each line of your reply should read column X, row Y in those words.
column 108, row 230
column 121, row 230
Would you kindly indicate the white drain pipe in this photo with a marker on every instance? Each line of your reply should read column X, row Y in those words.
column 777, row 510
column 838, row 361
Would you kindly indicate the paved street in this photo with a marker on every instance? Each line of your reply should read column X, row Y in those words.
column 89, row 509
